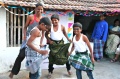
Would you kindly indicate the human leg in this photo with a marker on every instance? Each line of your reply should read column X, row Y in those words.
column 35, row 75
column 17, row 64
column 98, row 50
column 50, row 70
column 115, row 59
column 117, row 53
column 89, row 73
column 78, row 74
column 68, row 68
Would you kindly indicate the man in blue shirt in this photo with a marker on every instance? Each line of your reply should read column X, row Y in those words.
column 99, row 37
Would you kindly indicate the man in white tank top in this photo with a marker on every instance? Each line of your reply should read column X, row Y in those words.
column 56, row 38
column 33, row 51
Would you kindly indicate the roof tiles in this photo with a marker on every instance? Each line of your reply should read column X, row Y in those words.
column 91, row 5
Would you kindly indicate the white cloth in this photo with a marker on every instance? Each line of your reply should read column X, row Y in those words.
column 80, row 45
column 58, row 35
column 33, row 58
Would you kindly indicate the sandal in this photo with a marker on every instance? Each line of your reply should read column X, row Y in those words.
column 113, row 60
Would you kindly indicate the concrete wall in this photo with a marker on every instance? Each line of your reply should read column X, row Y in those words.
column 7, row 54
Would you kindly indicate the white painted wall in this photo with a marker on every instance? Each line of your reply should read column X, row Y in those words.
column 9, row 54
column 2, row 28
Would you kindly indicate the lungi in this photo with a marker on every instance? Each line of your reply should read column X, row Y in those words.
column 81, row 60
column 58, row 52
column 98, row 49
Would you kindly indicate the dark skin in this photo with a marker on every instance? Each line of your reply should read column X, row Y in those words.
column 115, row 32
column 85, row 39
column 55, row 28
column 30, row 18
column 36, row 33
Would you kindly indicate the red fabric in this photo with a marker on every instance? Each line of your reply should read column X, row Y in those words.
column 34, row 19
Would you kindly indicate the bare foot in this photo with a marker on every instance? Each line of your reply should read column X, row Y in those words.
column 11, row 75
column 69, row 73
column 49, row 76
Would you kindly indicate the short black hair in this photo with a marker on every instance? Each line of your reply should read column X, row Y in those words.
column 116, row 20
column 39, row 4
column 77, row 24
column 105, row 15
column 55, row 16
column 46, row 21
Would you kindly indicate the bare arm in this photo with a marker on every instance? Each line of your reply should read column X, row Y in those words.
column 47, row 36
column 34, row 34
column 72, row 48
column 89, row 46
column 26, row 25
column 41, row 40
column 115, row 32
column 65, row 34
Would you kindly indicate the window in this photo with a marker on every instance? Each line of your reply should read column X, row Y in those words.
column 15, row 24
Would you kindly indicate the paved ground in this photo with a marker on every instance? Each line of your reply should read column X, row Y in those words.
column 103, row 70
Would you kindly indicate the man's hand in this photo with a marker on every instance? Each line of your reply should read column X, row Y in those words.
column 41, row 45
column 70, row 40
column 69, row 54
column 43, row 52
column 50, row 42
column 92, row 59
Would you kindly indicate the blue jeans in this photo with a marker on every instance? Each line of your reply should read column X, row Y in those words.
column 35, row 75
column 79, row 76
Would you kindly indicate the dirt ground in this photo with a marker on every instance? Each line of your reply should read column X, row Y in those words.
column 103, row 70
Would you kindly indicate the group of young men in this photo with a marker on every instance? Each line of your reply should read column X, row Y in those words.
column 34, row 23
column 38, row 27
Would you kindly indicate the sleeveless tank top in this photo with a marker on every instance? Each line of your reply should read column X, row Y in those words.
column 32, row 25
column 36, row 41
column 80, row 45
column 58, row 35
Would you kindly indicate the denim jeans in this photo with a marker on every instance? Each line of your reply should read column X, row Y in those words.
column 35, row 75
column 79, row 76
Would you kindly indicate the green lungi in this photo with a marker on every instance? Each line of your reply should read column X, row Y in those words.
column 81, row 60
column 58, row 52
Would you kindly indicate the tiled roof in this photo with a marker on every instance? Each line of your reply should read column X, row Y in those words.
column 91, row 5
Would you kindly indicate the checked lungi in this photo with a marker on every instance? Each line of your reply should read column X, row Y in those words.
column 98, row 49
column 33, row 60
column 81, row 60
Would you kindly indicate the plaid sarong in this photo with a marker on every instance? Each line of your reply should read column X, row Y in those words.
column 33, row 60
column 81, row 60
column 98, row 49
column 58, row 52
